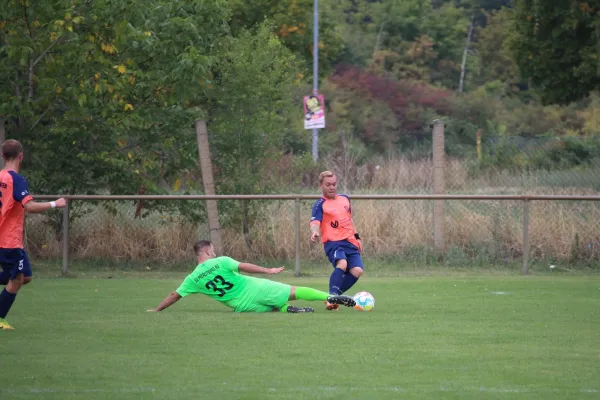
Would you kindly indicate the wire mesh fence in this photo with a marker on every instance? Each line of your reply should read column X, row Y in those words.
column 397, row 234
column 159, row 233
column 498, row 165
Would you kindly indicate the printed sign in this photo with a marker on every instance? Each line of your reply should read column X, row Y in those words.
column 314, row 112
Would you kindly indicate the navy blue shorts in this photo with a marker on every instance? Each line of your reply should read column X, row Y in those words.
column 14, row 262
column 343, row 250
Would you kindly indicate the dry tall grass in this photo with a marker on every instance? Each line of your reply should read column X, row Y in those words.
column 484, row 231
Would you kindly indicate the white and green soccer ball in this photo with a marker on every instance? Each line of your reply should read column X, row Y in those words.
column 364, row 301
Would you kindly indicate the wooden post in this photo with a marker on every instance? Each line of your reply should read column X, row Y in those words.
column 439, row 186
column 65, row 238
column 297, row 223
column 209, row 186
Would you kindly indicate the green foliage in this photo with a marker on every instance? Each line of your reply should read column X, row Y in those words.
column 251, row 106
column 417, row 41
column 292, row 22
column 557, row 47
column 547, row 153
column 251, row 109
column 104, row 95
column 100, row 95
column 496, row 63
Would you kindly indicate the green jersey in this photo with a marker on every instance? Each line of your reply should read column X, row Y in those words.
column 220, row 279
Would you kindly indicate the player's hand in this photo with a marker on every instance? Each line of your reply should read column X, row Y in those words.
column 314, row 236
column 275, row 270
column 360, row 246
column 60, row 203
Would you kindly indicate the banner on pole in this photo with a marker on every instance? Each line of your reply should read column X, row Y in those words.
column 314, row 112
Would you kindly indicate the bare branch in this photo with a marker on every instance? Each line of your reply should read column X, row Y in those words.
column 18, row 89
column 37, row 60
column 25, row 16
column 40, row 118
column 30, row 82
column 465, row 53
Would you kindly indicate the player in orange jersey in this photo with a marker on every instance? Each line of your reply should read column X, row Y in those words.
column 332, row 220
column 14, row 201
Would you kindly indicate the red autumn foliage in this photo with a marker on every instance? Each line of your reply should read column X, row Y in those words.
column 400, row 97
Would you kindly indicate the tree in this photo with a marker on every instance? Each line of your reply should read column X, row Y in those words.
column 493, row 50
column 252, row 111
column 103, row 95
column 555, row 45
column 292, row 22
column 99, row 91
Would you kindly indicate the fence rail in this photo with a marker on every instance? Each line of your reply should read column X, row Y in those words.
column 526, row 201
column 316, row 197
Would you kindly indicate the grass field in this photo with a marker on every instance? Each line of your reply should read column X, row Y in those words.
column 450, row 337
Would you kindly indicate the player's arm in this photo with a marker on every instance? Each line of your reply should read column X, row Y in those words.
column 356, row 235
column 21, row 195
column 171, row 299
column 315, row 221
column 256, row 269
column 315, row 230
column 39, row 207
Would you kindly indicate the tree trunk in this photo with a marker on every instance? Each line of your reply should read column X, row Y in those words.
column 209, row 186
column 139, row 205
column 246, row 225
column 345, row 161
column 378, row 39
column 30, row 81
column 464, row 59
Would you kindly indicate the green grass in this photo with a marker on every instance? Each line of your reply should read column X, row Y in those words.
column 434, row 337
column 417, row 262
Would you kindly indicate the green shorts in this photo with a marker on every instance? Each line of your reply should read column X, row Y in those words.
column 269, row 296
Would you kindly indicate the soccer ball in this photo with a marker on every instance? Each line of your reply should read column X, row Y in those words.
column 364, row 301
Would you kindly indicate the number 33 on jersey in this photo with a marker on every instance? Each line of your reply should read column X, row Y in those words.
column 218, row 278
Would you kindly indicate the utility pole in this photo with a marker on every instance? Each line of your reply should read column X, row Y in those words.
column 315, row 132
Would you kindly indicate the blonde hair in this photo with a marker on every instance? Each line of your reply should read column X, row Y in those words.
column 325, row 174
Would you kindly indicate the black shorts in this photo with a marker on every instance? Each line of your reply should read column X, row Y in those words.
column 14, row 262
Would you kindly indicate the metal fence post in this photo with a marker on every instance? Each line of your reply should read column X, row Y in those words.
column 525, row 236
column 65, row 238
column 297, row 228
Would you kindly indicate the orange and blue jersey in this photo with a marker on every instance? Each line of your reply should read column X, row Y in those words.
column 14, row 194
column 335, row 219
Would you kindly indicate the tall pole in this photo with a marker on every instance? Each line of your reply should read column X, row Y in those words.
column 315, row 132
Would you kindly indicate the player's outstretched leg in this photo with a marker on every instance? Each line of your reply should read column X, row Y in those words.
column 309, row 294
column 295, row 310
column 341, row 300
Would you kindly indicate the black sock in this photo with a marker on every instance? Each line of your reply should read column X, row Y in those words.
column 335, row 281
column 348, row 282
column 6, row 301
